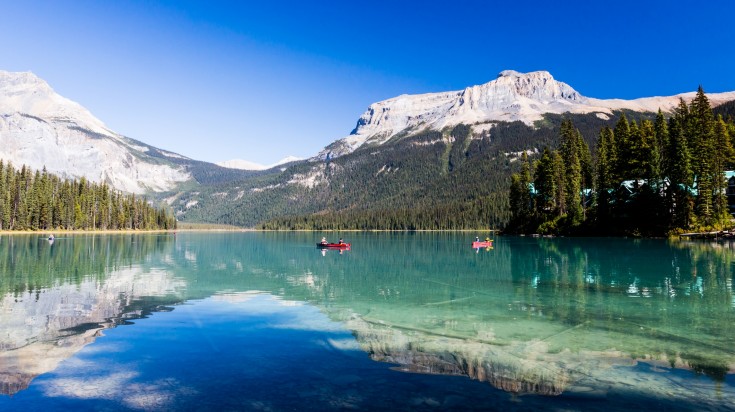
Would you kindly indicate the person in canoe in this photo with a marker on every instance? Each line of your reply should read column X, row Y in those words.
column 477, row 238
column 341, row 242
column 324, row 241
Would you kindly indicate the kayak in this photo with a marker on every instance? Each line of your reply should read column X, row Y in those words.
column 482, row 244
column 333, row 246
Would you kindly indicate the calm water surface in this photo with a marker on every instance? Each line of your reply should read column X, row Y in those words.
column 265, row 321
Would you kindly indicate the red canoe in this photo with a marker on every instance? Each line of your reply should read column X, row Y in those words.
column 482, row 244
column 333, row 246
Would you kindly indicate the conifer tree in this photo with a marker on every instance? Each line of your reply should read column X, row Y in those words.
column 572, row 177
column 559, row 176
column 661, row 132
column 545, row 184
column 520, row 195
column 701, row 139
column 3, row 190
column 623, row 151
column 723, row 160
column 38, row 200
column 648, row 156
column 679, row 173
column 605, row 183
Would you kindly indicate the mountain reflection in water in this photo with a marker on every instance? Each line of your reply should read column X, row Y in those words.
column 542, row 316
column 56, row 298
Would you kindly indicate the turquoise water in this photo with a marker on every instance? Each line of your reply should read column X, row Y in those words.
column 265, row 321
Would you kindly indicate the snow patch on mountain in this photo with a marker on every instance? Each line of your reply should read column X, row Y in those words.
column 39, row 128
column 241, row 164
column 248, row 165
column 512, row 96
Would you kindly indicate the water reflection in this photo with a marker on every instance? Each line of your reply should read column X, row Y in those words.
column 535, row 315
column 56, row 296
column 543, row 316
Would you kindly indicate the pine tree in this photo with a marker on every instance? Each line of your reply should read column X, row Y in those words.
column 9, row 201
column 722, row 161
column 623, row 151
column 605, row 183
column 702, row 142
column 570, row 154
column 679, row 172
column 545, row 184
column 45, row 201
column 661, row 132
column 648, row 157
column 521, row 203
column 559, row 176
column 3, row 190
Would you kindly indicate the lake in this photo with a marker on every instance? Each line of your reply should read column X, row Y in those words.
column 402, row 321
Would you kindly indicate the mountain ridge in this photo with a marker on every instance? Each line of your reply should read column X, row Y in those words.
column 512, row 96
column 42, row 129
column 410, row 159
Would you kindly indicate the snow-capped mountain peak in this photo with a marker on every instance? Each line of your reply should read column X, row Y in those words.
column 39, row 128
column 512, row 96
column 24, row 92
column 538, row 85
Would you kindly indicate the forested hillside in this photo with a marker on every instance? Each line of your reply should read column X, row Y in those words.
column 449, row 179
column 457, row 178
column 37, row 200
column 727, row 111
column 646, row 177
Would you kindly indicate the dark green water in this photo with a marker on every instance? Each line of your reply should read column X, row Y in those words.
column 265, row 321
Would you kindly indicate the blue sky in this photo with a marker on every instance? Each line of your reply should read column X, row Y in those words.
column 217, row 80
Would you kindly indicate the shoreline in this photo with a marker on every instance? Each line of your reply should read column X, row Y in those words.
column 112, row 232
column 174, row 231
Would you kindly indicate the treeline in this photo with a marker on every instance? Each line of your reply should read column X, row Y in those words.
column 35, row 267
column 480, row 214
column 37, row 200
column 429, row 181
column 645, row 178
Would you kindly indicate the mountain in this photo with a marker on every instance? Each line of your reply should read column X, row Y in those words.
column 248, row 165
column 431, row 161
column 512, row 96
column 40, row 128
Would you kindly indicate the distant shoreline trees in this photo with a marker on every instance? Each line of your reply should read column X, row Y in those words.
column 38, row 200
column 648, row 178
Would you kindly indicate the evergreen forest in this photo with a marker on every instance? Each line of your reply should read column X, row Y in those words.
column 649, row 177
column 635, row 173
column 460, row 181
column 431, row 180
column 38, row 200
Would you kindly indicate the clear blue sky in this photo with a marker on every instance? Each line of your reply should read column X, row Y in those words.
column 217, row 80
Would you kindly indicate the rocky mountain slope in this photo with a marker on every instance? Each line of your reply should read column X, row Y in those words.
column 409, row 158
column 40, row 128
column 512, row 96
column 431, row 161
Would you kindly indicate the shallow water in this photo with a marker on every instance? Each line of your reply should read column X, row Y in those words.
column 265, row 321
